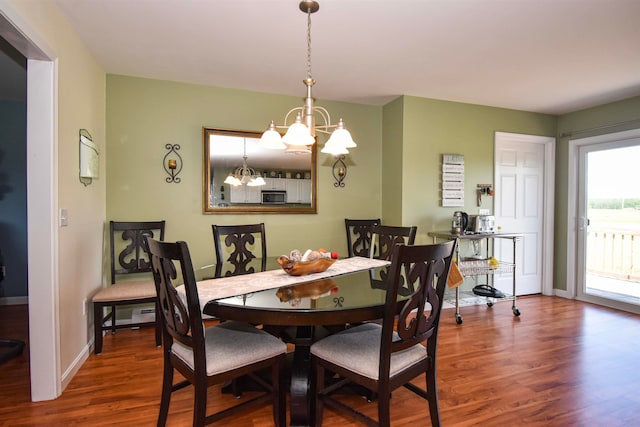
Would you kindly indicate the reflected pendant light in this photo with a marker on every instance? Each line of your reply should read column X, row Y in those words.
column 244, row 175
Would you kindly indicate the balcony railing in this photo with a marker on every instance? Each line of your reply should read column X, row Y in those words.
column 613, row 253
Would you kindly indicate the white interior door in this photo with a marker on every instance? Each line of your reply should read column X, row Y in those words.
column 519, row 207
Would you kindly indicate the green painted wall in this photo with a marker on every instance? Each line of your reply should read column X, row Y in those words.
column 143, row 115
column 608, row 118
column 392, row 167
column 79, row 83
column 432, row 128
column 394, row 173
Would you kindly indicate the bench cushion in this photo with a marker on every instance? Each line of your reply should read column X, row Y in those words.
column 126, row 291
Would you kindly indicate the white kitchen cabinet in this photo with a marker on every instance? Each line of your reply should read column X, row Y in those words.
column 244, row 194
column 299, row 191
column 278, row 184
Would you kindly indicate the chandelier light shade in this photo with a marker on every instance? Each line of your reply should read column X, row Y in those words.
column 258, row 181
column 335, row 150
column 339, row 141
column 298, row 133
column 301, row 133
column 244, row 175
column 271, row 138
column 341, row 136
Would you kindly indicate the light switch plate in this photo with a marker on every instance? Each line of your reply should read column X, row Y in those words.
column 64, row 218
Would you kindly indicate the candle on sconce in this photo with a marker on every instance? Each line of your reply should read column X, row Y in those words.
column 339, row 170
column 170, row 163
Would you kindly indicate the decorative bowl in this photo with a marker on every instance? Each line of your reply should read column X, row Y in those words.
column 301, row 268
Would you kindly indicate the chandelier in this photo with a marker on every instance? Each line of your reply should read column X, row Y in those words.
column 301, row 133
column 244, row 175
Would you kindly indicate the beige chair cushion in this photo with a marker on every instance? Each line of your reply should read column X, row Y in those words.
column 358, row 349
column 231, row 345
column 124, row 291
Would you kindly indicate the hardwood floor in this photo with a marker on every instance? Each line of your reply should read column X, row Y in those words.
column 561, row 363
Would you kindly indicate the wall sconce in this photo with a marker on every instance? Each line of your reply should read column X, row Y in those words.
column 339, row 171
column 89, row 158
column 172, row 166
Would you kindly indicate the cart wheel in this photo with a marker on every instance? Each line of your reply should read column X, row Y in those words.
column 458, row 319
column 489, row 303
column 516, row 311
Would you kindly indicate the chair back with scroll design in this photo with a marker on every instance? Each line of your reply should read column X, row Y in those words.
column 215, row 355
column 384, row 240
column 129, row 264
column 384, row 357
column 240, row 249
column 359, row 235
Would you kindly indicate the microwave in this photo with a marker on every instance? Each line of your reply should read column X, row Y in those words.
column 274, row 197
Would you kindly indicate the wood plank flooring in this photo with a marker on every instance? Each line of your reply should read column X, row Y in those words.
column 561, row 363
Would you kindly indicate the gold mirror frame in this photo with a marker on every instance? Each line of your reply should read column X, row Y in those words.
column 219, row 159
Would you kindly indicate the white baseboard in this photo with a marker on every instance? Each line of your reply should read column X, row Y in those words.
column 562, row 293
column 14, row 300
column 75, row 366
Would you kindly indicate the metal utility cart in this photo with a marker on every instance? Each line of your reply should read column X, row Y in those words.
column 480, row 265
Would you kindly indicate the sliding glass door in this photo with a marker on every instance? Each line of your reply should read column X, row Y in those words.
column 609, row 223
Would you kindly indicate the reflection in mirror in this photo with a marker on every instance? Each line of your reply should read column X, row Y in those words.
column 241, row 177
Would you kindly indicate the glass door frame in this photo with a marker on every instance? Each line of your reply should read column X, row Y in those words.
column 583, row 147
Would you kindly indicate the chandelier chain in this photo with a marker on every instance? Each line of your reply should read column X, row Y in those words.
column 302, row 132
column 309, row 43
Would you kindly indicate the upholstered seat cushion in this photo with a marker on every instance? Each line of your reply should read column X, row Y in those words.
column 126, row 291
column 358, row 349
column 231, row 345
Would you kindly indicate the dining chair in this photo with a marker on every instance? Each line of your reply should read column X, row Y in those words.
column 384, row 240
column 214, row 355
column 359, row 235
column 386, row 237
column 382, row 358
column 239, row 249
column 129, row 259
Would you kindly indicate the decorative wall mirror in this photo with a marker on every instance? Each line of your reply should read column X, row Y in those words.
column 289, row 179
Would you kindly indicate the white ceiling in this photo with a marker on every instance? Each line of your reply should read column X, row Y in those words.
column 547, row 56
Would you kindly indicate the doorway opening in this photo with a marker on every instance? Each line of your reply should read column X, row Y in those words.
column 42, row 237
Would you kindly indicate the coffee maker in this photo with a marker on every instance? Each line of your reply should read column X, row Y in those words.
column 460, row 222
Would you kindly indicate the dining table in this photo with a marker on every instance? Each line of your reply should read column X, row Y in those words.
column 300, row 309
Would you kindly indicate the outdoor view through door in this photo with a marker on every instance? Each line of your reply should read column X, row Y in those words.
column 612, row 252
